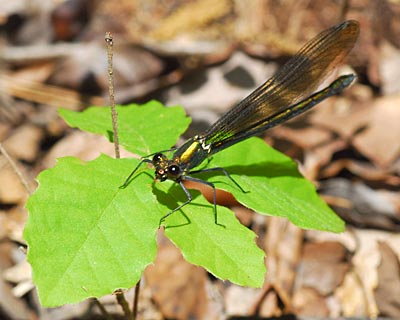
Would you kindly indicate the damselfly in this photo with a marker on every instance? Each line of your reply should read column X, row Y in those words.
column 282, row 97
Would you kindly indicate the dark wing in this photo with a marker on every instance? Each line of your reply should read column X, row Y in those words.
column 299, row 77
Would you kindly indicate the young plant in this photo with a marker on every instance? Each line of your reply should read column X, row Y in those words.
column 87, row 237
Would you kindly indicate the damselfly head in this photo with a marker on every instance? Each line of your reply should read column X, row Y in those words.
column 168, row 170
column 159, row 158
column 165, row 169
column 161, row 174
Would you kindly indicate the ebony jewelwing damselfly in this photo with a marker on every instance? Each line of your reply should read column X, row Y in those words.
column 282, row 97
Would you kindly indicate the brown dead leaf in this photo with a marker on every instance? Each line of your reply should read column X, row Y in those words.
column 380, row 140
column 43, row 93
column 12, row 223
column 11, row 189
column 306, row 138
column 269, row 307
column 24, row 142
column 3, row 221
column 347, row 238
column 394, row 198
column 309, row 302
column 323, row 267
column 283, row 245
column 341, row 117
column 389, row 68
column 223, row 198
column 4, row 130
column 39, row 72
column 318, row 157
column 351, row 297
column 19, row 272
column 244, row 214
column 13, row 307
column 368, row 206
column 387, row 294
column 273, row 302
column 83, row 68
column 190, row 16
column 69, row 18
column 239, row 300
column 364, row 170
column 178, row 287
column 366, row 263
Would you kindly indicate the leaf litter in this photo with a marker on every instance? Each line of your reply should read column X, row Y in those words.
column 351, row 151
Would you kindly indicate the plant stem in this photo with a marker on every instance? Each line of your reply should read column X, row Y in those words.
column 114, row 115
column 136, row 300
column 124, row 304
column 103, row 310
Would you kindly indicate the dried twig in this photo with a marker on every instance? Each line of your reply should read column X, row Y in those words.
column 15, row 168
column 136, row 300
column 124, row 304
column 103, row 310
column 114, row 115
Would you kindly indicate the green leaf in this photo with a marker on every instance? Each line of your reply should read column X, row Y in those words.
column 86, row 237
column 229, row 252
column 94, row 238
column 142, row 129
column 273, row 185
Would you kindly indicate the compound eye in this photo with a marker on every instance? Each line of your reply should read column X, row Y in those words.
column 174, row 170
column 158, row 157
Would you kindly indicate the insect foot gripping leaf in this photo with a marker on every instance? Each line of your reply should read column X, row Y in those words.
column 83, row 238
